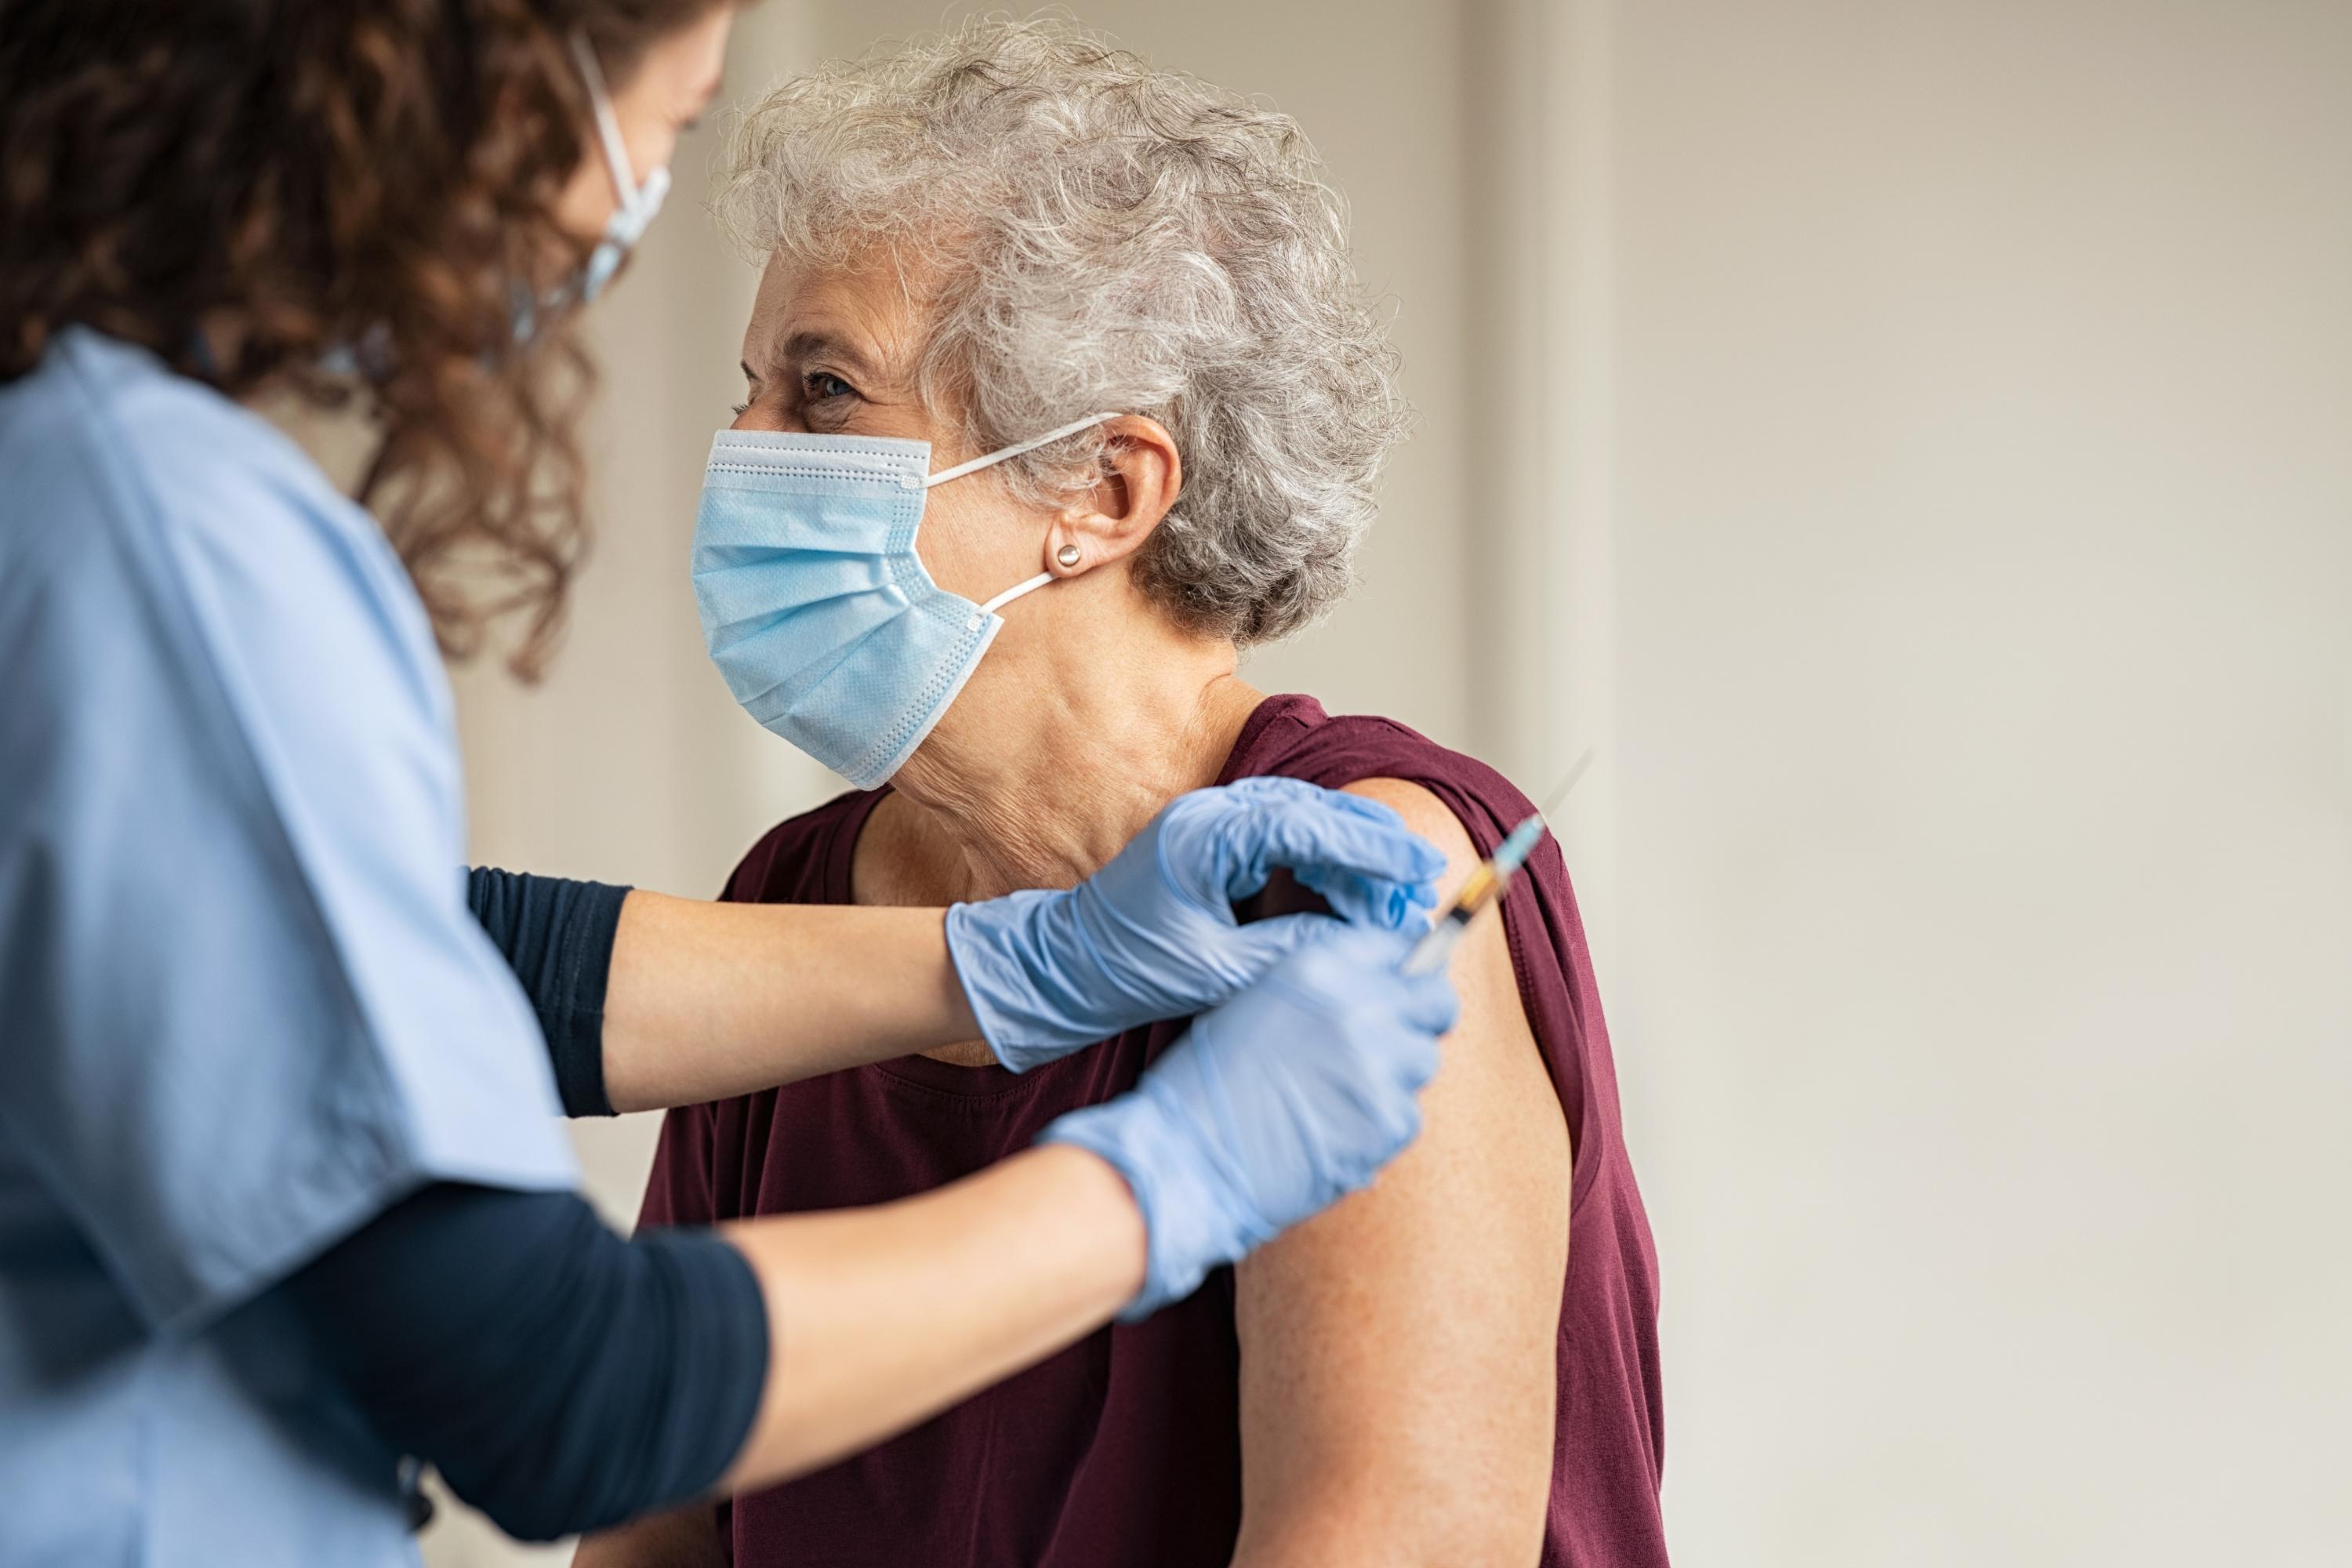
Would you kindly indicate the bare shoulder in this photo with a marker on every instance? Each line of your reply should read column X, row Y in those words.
column 1429, row 816
column 1494, row 1048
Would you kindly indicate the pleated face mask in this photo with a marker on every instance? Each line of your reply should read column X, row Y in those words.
column 814, row 606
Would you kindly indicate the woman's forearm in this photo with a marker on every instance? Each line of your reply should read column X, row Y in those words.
column 881, row 1317
column 706, row 1000
column 650, row 1002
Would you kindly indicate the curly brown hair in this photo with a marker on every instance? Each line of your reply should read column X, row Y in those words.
column 246, row 187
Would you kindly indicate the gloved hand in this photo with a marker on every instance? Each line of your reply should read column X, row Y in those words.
column 1288, row 1097
column 1152, row 934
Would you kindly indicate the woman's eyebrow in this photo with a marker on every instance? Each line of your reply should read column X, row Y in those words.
column 804, row 346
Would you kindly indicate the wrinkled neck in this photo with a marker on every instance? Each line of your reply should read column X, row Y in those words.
column 1043, row 772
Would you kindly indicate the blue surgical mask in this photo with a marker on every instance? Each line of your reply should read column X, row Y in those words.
column 815, row 605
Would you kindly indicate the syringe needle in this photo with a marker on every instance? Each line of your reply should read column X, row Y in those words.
column 1559, row 790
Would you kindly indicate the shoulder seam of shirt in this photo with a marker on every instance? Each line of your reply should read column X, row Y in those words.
column 1339, row 729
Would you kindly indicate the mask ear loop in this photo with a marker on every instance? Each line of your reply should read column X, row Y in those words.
column 980, row 616
column 993, row 458
column 625, row 188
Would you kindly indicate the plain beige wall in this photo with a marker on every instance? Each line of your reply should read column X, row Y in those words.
column 1983, row 566
column 1914, row 441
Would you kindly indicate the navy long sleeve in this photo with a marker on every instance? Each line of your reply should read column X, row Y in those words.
column 560, row 1377
column 557, row 936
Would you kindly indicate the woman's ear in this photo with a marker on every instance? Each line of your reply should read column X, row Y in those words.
column 1142, row 475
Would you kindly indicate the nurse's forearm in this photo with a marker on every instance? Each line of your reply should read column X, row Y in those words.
column 881, row 1317
column 706, row 1001
column 648, row 1002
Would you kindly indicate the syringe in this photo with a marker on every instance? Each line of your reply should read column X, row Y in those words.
column 1487, row 883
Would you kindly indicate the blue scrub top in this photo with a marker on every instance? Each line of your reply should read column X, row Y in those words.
column 243, row 1007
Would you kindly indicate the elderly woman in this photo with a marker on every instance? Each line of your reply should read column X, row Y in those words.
column 974, row 241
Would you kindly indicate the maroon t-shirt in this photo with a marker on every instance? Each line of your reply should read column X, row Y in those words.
column 1126, row 1449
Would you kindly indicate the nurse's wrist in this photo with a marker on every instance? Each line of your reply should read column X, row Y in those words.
column 1187, row 1225
column 1013, row 956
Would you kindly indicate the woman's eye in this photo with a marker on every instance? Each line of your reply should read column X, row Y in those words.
column 741, row 409
column 823, row 384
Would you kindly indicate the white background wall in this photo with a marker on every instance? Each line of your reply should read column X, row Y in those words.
column 1914, row 441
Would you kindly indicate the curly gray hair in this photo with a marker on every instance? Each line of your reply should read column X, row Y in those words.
column 1108, row 236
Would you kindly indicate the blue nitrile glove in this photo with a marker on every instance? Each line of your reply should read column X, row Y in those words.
column 1287, row 1098
column 1152, row 934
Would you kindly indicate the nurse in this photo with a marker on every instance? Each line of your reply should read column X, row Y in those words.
column 283, row 1212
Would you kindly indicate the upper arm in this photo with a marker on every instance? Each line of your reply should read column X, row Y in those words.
column 1398, row 1351
column 558, row 936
